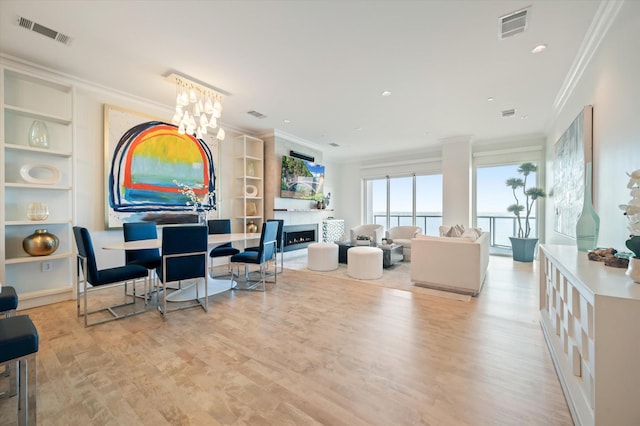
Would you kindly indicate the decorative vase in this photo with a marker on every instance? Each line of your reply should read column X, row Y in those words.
column 633, row 271
column 523, row 248
column 39, row 135
column 252, row 228
column 251, row 171
column 588, row 224
column 40, row 243
column 37, row 211
column 202, row 218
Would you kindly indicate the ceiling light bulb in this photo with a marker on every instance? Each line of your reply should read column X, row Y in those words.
column 539, row 48
column 217, row 106
column 490, row 98
column 203, row 121
column 215, row 113
column 184, row 98
column 213, row 123
column 176, row 118
column 221, row 134
column 181, row 129
column 386, row 93
column 193, row 98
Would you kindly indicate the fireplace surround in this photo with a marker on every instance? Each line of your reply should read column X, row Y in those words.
column 297, row 237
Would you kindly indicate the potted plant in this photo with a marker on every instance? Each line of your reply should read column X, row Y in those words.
column 632, row 211
column 522, row 246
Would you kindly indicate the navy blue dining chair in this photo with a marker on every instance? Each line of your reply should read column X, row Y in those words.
column 95, row 279
column 261, row 257
column 221, row 226
column 184, row 257
column 279, row 243
column 149, row 258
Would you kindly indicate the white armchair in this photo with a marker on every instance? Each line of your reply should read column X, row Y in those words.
column 375, row 232
column 402, row 235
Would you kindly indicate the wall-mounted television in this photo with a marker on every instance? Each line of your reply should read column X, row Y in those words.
column 301, row 179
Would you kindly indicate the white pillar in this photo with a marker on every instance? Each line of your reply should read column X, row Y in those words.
column 456, row 181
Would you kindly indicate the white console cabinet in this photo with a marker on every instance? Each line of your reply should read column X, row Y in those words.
column 26, row 97
column 590, row 315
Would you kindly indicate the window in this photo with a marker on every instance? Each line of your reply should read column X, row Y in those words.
column 405, row 201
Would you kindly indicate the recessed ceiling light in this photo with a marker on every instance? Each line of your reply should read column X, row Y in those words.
column 358, row 129
column 490, row 98
column 524, row 117
column 539, row 48
column 286, row 121
column 386, row 93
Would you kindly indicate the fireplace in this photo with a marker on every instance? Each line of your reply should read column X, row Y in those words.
column 297, row 237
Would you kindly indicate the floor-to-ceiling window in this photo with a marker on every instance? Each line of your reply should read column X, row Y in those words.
column 414, row 200
column 493, row 197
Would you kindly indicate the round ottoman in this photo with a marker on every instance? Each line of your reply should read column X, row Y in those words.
column 322, row 256
column 364, row 263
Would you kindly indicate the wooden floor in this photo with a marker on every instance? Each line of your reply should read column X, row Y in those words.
column 310, row 350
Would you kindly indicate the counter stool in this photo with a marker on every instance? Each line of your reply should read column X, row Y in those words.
column 364, row 263
column 8, row 301
column 322, row 256
column 18, row 348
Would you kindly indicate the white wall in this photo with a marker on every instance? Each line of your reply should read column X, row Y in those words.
column 611, row 84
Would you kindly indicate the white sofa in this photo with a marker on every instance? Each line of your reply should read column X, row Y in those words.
column 450, row 263
column 373, row 231
column 403, row 235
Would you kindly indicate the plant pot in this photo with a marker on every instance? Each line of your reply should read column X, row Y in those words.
column 524, row 249
column 633, row 271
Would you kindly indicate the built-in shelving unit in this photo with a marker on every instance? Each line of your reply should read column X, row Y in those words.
column 248, row 185
column 589, row 314
column 28, row 96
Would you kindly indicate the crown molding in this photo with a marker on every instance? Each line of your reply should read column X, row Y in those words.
column 602, row 20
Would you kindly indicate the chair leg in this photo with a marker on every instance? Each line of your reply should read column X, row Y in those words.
column 27, row 404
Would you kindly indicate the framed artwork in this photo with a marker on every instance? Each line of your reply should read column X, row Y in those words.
column 572, row 152
column 148, row 163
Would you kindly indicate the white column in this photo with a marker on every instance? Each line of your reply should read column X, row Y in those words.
column 456, row 181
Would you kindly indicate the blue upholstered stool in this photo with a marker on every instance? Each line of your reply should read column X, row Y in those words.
column 8, row 301
column 18, row 348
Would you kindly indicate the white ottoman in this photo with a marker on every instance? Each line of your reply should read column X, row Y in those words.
column 322, row 256
column 364, row 263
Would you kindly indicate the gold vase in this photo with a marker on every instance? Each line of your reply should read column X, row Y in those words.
column 252, row 228
column 40, row 243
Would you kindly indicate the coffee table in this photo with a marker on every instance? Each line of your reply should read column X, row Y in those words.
column 391, row 253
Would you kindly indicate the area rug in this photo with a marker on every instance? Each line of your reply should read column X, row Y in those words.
column 396, row 277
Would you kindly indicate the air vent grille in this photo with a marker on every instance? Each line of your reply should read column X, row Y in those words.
column 508, row 113
column 334, row 144
column 42, row 30
column 513, row 23
column 256, row 114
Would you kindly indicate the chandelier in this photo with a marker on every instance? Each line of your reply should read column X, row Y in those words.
column 198, row 108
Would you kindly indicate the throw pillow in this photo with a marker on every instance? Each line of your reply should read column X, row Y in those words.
column 455, row 231
column 470, row 234
column 443, row 230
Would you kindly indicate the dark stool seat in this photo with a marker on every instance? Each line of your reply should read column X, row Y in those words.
column 18, row 348
column 8, row 301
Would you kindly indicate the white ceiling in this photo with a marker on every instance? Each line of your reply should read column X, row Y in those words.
column 323, row 64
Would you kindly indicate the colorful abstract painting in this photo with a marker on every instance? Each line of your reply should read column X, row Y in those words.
column 146, row 159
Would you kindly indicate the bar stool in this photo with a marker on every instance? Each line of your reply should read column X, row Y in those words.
column 18, row 346
column 8, row 301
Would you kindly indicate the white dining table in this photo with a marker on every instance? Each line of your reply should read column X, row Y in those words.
column 188, row 292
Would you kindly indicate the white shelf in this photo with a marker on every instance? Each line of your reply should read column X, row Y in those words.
column 29, row 95
column 249, row 170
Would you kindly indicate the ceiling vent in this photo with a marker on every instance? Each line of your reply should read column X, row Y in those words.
column 334, row 144
column 41, row 29
column 256, row 114
column 513, row 23
column 508, row 113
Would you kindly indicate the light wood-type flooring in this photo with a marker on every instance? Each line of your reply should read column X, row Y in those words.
column 310, row 350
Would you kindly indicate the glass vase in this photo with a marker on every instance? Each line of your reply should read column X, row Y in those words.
column 39, row 135
column 588, row 224
column 37, row 211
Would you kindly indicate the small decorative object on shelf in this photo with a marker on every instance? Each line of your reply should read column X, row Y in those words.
column 39, row 135
column 251, row 170
column 40, row 243
column 40, row 174
column 37, row 211
column 252, row 210
column 252, row 228
column 250, row 191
